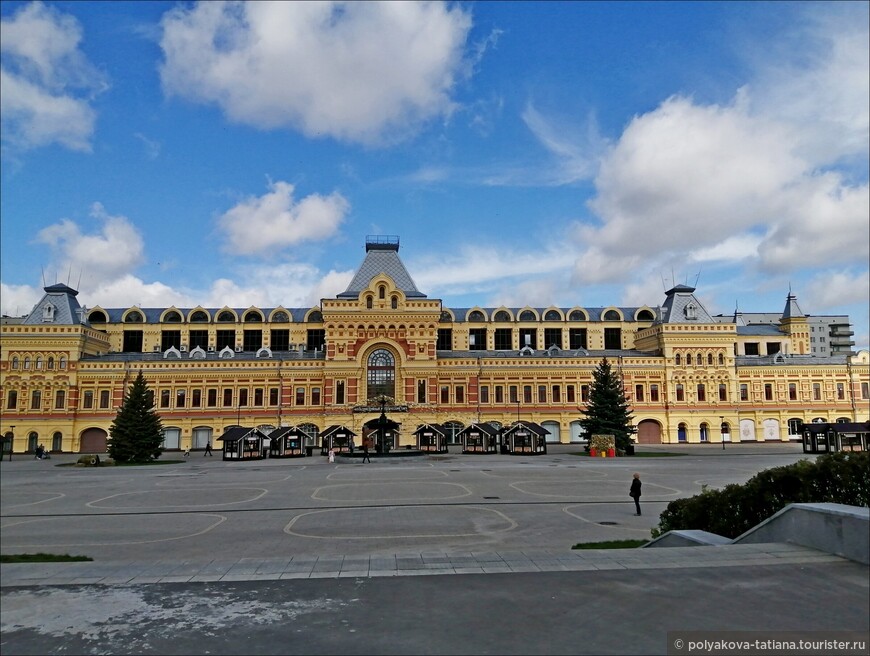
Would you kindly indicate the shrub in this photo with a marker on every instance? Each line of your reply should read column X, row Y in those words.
column 842, row 477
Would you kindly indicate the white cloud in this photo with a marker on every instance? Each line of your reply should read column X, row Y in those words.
column 358, row 71
column 45, row 80
column 832, row 289
column 18, row 300
column 113, row 251
column 261, row 224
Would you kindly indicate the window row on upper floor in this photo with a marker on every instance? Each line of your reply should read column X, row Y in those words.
column 479, row 315
column 38, row 362
column 201, row 315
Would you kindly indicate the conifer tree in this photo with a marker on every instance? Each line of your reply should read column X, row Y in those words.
column 608, row 411
column 137, row 432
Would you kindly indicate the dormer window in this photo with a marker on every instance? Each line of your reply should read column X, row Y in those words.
column 48, row 313
column 691, row 311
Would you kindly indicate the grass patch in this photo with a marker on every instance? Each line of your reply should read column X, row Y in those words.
column 611, row 544
column 638, row 454
column 42, row 558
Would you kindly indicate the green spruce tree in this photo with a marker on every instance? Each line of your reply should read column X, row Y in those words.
column 137, row 432
column 608, row 411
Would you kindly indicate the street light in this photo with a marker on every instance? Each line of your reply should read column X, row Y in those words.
column 722, row 430
column 11, row 441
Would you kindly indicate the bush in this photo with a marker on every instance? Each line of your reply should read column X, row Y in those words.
column 842, row 477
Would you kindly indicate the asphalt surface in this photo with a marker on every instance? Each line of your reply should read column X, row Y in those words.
column 303, row 557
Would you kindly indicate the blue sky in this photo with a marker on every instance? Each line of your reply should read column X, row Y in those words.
column 526, row 153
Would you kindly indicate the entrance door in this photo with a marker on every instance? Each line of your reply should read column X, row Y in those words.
column 649, row 432
column 94, row 441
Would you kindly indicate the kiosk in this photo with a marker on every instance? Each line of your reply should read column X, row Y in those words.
column 830, row 438
column 526, row 438
column 431, row 438
column 287, row 442
column 479, row 438
column 337, row 438
column 240, row 443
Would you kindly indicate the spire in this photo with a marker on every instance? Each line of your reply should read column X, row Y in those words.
column 792, row 309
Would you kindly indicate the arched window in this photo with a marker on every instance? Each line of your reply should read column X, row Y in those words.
column 27, row 362
column 710, row 359
column 57, row 442
column 51, row 362
column 199, row 317
column 381, row 374
column 368, row 302
column 97, row 317
column 172, row 317
column 691, row 311
column 645, row 315
column 281, row 317
column 476, row 315
column 382, row 292
column 48, row 313
column 253, row 317
column 577, row 315
column 677, row 359
column 552, row 315
column 611, row 315
column 501, row 315
column 63, row 363
column 394, row 303
column 133, row 317
column 528, row 315
column 39, row 362
column 445, row 317
column 721, row 359
column 15, row 362
column 688, row 359
column 315, row 317
column 226, row 316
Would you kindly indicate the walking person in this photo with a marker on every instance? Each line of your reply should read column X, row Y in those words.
column 331, row 456
column 634, row 492
column 366, row 452
column 207, row 449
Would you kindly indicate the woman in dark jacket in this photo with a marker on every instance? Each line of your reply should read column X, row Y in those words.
column 634, row 493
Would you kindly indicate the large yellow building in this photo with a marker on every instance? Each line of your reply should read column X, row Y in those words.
column 691, row 377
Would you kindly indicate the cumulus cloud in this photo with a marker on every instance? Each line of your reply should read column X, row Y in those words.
column 358, row 71
column 46, row 82
column 262, row 224
column 837, row 288
column 110, row 253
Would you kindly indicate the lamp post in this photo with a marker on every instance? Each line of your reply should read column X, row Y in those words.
column 11, row 441
column 722, row 430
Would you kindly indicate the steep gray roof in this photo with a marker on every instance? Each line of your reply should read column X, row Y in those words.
column 382, row 257
column 681, row 306
column 792, row 309
column 59, row 307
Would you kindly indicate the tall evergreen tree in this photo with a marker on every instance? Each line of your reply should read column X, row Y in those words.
column 137, row 432
column 608, row 411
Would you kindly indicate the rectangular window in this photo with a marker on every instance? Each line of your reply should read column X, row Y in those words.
column 88, row 400
column 499, row 394
column 132, row 341
column 421, row 391
column 527, row 393
column 273, row 394
column 279, row 339
column 150, row 396
column 529, row 337
column 751, row 348
column 542, row 393
column 744, row 392
column 460, row 394
column 654, row 393
column 300, row 396
column 638, row 392
column 577, row 338
column 702, row 392
column 315, row 339
column 557, row 394
column 613, row 338
column 817, row 392
column 584, row 393
column 225, row 338
column 170, row 339
column 445, row 339
column 196, row 398
column 228, row 398
column 792, row 392
column 552, row 337
column 503, row 339
column 104, row 398
column 477, row 339
column 768, row 392
column 484, row 394
column 243, row 397
column 258, row 397
column 252, row 340
column 36, row 400
column 445, row 394
column 180, row 398
column 165, row 398
column 59, row 400
column 841, row 391
column 198, row 338
column 773, row 348
column 315, row 396
column 569, row 393
column 212, row 398
column 513, row 396
column 12, row 400
column 681, row 394
column 723, row 392
column 865, row 390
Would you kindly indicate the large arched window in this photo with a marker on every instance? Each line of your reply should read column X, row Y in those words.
column 381, row 374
